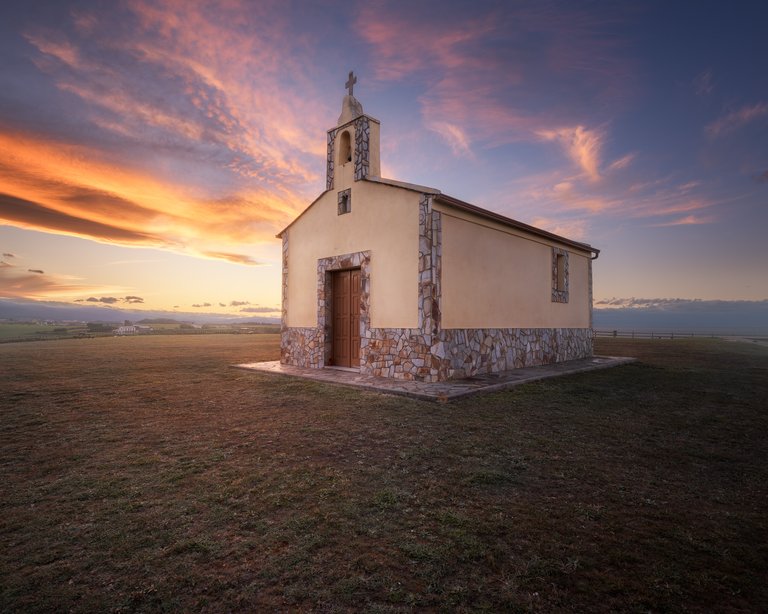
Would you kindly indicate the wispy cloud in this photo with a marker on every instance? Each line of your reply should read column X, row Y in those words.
column 16, row 282
column 111, row 300
column 736, row 119
column 66, row 189
column 622, row 162
column 496, row 75
column 260, row 310
column 195, row 140
column 572, row 204
column 455, row 137
column 582, row 145
column 645, row 303
column 573, row 229
column 681, row 304
column 688, row 220
column 703, row 83
column 237, row 258
column 680, row 314
column 132, row 261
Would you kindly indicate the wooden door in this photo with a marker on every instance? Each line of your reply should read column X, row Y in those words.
column 346, row 318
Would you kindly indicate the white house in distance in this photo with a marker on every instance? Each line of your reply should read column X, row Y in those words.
column 403, row 281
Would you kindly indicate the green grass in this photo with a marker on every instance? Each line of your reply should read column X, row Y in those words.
column 22, row 330
column 144, row 474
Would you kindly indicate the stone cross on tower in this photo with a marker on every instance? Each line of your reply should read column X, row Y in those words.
column 350, row 84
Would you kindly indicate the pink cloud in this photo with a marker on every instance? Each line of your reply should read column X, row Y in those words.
column 217, row 148
column 622, row 162
column 582, row 145
column 56, row 47
column 688, row 220
column 736, row 119
column 210, row 84
column 455, row 137
column 572, row 229
column 570, row 199
column 486, row 88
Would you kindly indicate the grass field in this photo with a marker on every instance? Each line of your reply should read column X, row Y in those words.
column 13, row 332
column 23, row 331
column 144, row 474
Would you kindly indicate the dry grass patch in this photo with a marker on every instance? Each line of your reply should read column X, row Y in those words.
column 144, row 474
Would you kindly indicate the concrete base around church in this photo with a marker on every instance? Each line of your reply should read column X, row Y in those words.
column 439, row 391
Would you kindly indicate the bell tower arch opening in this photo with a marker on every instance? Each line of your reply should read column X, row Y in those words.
column 345, row 148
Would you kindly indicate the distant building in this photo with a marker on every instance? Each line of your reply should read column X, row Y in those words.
column 403, row 281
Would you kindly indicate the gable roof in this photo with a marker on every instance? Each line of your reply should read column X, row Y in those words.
column 464, row 206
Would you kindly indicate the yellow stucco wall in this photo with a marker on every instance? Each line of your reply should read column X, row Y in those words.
column 384, row 221
column 497, row 277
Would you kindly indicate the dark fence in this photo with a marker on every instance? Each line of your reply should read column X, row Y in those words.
column 643, row 334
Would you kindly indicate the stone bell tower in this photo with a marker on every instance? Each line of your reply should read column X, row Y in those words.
column 353, row 145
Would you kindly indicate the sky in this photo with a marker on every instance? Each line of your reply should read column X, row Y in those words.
column 150, row 151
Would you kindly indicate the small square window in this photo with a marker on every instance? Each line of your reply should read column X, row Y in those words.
column 345, row 201
column 559, row 275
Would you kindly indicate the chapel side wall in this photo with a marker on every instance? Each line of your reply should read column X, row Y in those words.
column 384, row 221
column 505, row 279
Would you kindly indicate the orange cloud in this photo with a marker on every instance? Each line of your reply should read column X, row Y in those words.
column 16, row 282
column 195, row 141
column 65, row 189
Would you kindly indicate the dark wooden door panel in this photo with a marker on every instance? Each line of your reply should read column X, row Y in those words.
column 354, row 317
column 341, row 356
column 346, row 318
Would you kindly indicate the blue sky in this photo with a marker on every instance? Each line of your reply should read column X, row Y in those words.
column 154, row 149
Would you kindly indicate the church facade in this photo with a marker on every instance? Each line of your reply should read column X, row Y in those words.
column 398, row 280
